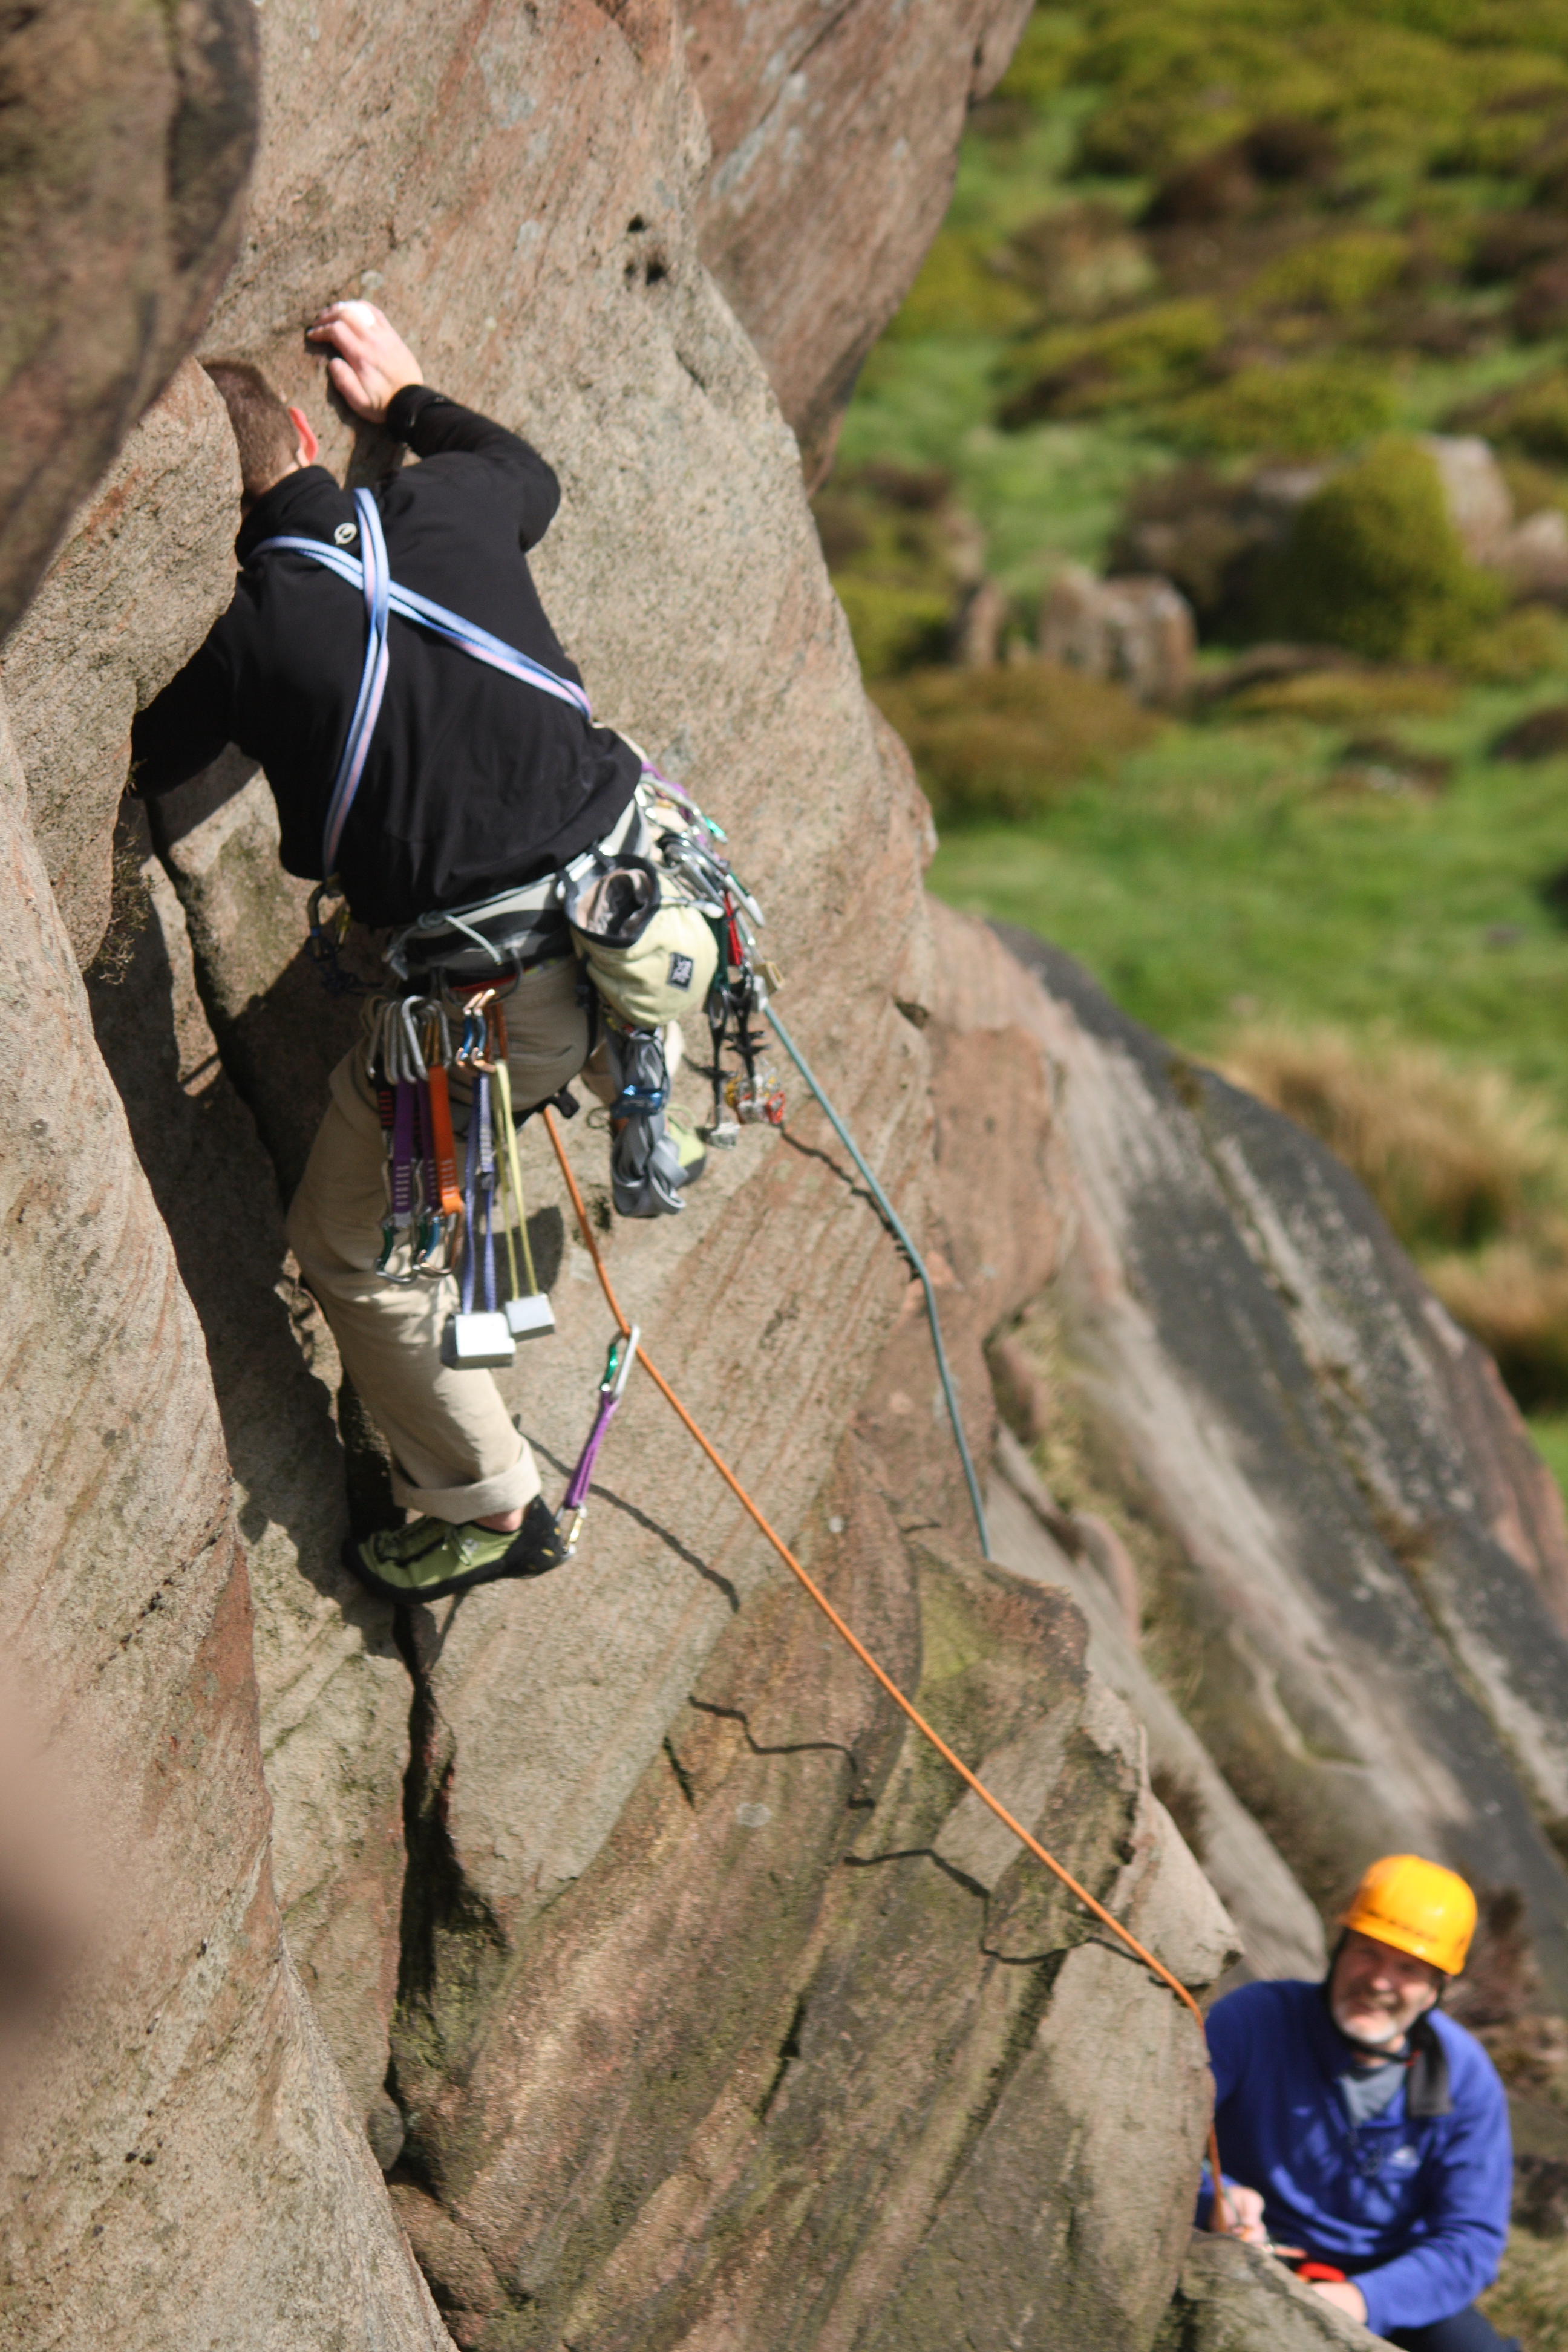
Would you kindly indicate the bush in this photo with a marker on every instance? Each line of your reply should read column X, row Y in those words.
column 1531, row 419
column 1541, row 734
column 1515, row 1302
column 1519, row 647
column 960, row 292
column 1003, row 742
column 1455, row 1157
column 1079, row 260
column 902, row 556
column 1310, row 408
column 1375, row 564
column 1531, row 2297
column 894, row 628
column 1080, row 371
column 1508, row 244
column 1338, row 697
column 1340, row 275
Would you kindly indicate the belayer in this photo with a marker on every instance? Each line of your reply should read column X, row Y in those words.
column 387, row 661
column 1363, row 2134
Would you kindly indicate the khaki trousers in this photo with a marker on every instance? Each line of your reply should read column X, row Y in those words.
column 456, row 1453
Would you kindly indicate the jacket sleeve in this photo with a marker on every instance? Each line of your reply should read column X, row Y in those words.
column 432, row 426
column 1467, row 2215
column 182, row 731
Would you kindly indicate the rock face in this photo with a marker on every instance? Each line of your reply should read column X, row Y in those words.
column 1236, row 2298
column 128, row 134
column 690, row 1945
column 182, row 2163
column 685, row 1996
column 1369, row 1554
column 1140, row 632
column 852, row 116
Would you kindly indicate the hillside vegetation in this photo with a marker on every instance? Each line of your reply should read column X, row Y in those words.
column 1211, row 272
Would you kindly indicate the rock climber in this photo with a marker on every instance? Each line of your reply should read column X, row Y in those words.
column 472, row 784
column 1363, row 2133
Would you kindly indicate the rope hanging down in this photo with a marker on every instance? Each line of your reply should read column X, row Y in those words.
column 846, row 1633
column 916, row 1260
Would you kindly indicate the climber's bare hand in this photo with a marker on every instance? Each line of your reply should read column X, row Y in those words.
column 1344, row 2294
column 370, row 361
column 1244, row 2209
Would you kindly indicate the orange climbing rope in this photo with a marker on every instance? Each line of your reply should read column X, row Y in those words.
column 846, row 1633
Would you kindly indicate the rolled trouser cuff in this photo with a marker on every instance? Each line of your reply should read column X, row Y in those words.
column 505, row 1490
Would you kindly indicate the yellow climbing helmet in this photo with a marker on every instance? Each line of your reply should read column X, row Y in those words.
column 1419, row 1907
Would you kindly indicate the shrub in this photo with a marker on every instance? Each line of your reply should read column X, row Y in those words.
column 1308, row 409
column 1517, row 648
column 901, row 555
column 1081, row 260
column 1340, row 275
column 1003, row 742
column 1515, row 1302
column 893, row 626
column 1532, row 486
column 1336, row 698
column 1531, row 419
column 1468, row 1168
column 960, row 292
column 1041, row 62
column 1455, row 1157
column 1079, row 371
column 1375, row 564
column 1541, row 734
column 1507, row 243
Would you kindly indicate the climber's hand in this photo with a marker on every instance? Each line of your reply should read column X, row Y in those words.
column 1344, row 2294
column 370, row 361
column 1244, row 2208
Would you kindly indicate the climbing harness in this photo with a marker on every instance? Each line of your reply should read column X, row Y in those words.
column 640, row 907
column 847, row 1634
column 384, row 596
column 612, row 1388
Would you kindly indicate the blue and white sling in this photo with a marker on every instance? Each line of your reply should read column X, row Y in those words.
column 384, row 596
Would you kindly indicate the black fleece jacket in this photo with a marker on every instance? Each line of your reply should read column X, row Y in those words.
column 474, row 781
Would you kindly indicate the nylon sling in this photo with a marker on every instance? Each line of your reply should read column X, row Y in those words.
column 384, row 596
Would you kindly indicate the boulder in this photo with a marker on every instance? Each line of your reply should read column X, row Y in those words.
column 1279, row 1931
column 1373, row 1557
column 129, row 135
column 1237, row 2298
column 146, row 568
column 1138, row 632
column 852, row 119
column 181, row 2162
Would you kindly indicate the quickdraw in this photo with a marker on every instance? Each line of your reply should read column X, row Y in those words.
column 612, row 1388
column 436, row 1224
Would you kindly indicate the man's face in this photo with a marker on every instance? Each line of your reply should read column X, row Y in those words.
column 1378, row 1993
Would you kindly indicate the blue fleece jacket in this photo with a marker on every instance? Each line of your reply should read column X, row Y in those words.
column 1415, row 2212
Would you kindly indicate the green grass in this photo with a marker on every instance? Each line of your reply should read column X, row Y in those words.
column 1549, row 1431
column 1530, row 2299
column 1218, row 877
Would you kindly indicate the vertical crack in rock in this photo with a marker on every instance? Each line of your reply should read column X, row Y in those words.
column 452, row 1948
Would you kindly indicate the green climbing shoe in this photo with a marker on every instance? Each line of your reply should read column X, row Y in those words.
column 688, row 1145
column 429, row 1559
